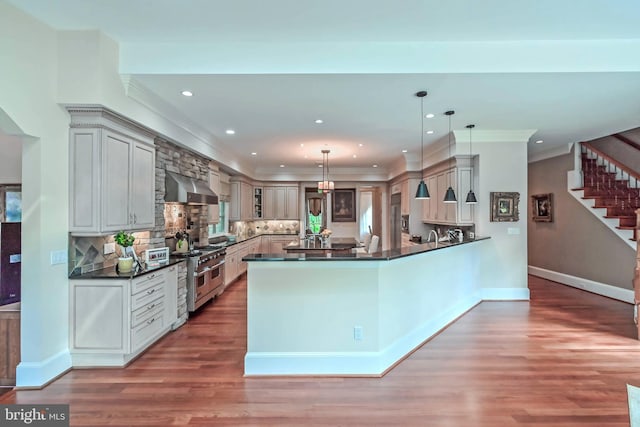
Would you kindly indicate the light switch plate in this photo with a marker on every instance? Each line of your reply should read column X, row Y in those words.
column 58, row 257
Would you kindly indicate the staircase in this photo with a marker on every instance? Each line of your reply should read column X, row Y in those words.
column 609, row 189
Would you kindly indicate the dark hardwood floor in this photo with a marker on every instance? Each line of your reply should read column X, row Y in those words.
column 561, row 360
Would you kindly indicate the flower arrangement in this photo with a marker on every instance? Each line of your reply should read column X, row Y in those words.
column 325, row 233
column 125, row 240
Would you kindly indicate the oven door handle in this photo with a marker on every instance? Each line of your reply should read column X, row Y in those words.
column 217, row 265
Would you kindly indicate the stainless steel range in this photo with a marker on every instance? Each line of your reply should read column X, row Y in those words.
column 205, row 275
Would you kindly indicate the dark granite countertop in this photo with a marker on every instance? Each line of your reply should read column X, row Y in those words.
column 376, row 256
column 334, row 243
column 111, row 273
column 246, row 239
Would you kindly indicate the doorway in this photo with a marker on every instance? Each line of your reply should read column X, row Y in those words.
column 10, row 249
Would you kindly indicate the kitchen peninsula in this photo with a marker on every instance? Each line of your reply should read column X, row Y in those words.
column 356, row 314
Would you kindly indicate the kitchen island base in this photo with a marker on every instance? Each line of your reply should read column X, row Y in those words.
column 358, row 317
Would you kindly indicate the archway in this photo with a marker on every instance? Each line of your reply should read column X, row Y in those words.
column 11, row 146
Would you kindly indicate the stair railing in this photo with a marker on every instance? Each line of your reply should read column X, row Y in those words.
column 622, row 171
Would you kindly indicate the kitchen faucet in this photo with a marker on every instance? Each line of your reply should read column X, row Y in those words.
column 436, row 237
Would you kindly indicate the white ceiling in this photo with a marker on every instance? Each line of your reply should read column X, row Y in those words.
column 569, row 70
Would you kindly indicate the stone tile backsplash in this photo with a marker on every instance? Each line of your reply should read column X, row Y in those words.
column 245, row 229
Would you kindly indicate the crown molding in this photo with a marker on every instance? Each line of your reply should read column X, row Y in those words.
column 550, row 153
column 200, row 140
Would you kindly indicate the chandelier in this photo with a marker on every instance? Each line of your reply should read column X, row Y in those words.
column 325, row 186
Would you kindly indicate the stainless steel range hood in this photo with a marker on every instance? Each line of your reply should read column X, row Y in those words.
column 182, row 189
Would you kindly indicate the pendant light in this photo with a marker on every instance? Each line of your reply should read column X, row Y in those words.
column 422, row 192
column 325, row 186
column 471, row 197
column 450, row 195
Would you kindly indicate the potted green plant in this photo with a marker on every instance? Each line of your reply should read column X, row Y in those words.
column 124, row 240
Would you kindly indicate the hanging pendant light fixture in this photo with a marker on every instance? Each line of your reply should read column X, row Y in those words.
column 325, row 186
column 422, row 192
column 450, row 195
column 471, row 197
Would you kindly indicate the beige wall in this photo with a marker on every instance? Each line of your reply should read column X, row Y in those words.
column 576, row 242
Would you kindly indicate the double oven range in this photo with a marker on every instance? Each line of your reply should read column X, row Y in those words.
column 205, row 275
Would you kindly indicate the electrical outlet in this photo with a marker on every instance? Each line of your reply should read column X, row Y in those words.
column 109, row 248
column 357, row 333
column 472, row 235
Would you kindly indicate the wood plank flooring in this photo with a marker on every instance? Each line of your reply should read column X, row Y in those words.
column 561, row 360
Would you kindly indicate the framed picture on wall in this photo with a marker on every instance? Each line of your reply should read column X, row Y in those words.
column 343, row 205
column 542, row 207
column 504, row 206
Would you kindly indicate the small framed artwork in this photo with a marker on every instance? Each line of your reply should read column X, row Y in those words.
column 343, row 205
column 542, row 207
column 504, row 206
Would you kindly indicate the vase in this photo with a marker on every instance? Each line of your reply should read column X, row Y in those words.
column 125, row 264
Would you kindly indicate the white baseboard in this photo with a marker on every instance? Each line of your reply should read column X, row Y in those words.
column 614, row 292
column 504, row 294
column 37, row 374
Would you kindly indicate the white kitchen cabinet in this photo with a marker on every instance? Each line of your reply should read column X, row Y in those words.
column 111, row 176
column 435, row 210
column 241, row 205
column 278, row 243
column 281, row 202
column 430, row 205
column 231, row 265
column 112, row 321
column 213, row 216
column 405, row 198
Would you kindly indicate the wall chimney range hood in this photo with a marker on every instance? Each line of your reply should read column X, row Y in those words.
column 183, row 189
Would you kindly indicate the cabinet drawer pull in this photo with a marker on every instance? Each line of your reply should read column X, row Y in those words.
column 150, row 291
column 149, row 307
column 150, row 321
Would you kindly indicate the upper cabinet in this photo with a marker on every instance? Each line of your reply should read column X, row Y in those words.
column 281, row 202
column 435, row 211
column 111, row 174
column 241, row 205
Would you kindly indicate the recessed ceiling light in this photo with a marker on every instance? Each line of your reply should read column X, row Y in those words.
column 404, row 151
column 430, row 116
column 360, row 145
column 375, row 166
column 319, row 166
column 319, row 121
column 301, row 145
column 354, row 156
column 429, row 132
column 306, row 157
column 187, row 93
column 230, row 132
column 281, row 166
column 539, row 141
column 254, row 154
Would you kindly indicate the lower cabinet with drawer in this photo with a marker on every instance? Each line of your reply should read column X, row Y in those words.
column 114, row 320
